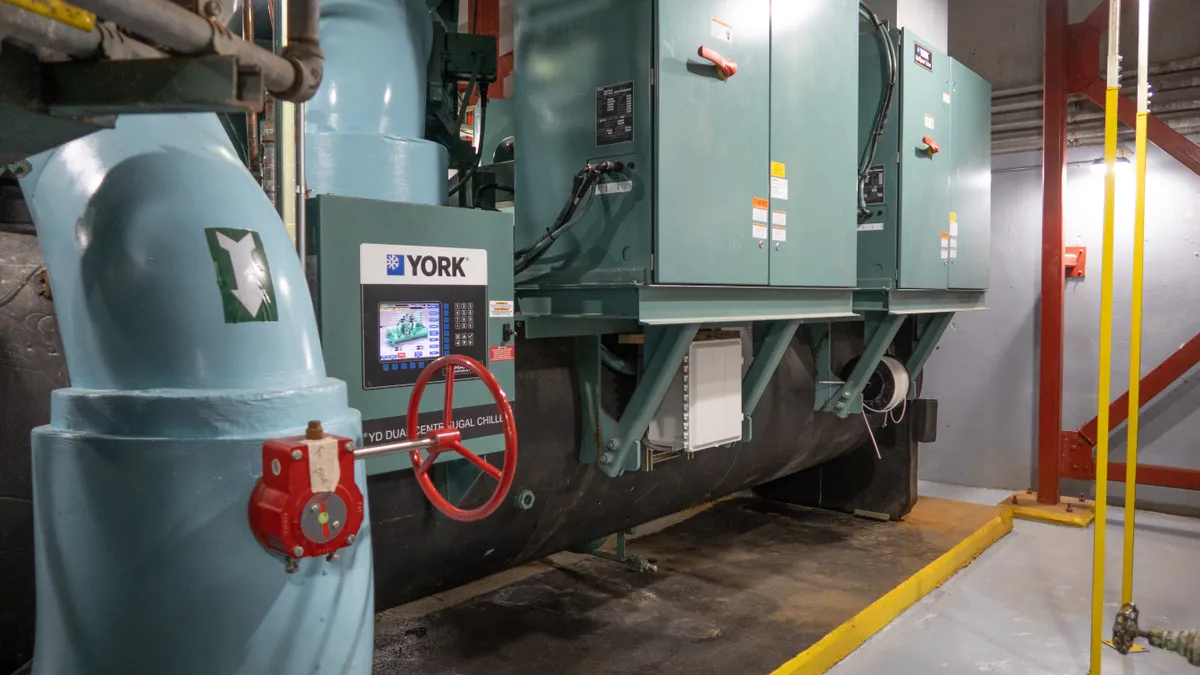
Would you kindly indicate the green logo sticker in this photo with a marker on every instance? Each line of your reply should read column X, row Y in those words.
column 243, row 275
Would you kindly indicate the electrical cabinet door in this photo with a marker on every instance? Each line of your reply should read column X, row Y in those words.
column 814, row 143
column 970, row 180
column 713, row 142
column 925, row 175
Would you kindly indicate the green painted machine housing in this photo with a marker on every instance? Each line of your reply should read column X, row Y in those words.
column 697, row 148
column 930, row 229
column 338, row 227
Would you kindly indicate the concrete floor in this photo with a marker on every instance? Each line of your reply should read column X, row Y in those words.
column 1023, row 606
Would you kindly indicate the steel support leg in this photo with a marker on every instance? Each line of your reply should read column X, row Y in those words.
column 1050, row 339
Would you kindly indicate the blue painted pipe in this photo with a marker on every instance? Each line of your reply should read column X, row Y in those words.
column 366, row 125
column 144, row 558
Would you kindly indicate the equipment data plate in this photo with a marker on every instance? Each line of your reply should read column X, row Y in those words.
column 873, row 187
column 614, row 114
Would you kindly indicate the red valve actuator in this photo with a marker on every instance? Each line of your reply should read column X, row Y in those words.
column 307, row 504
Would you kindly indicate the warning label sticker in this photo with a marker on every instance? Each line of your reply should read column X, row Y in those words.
column 502, row 353
column 500, row 309
column 722, row 31
column 761, row 206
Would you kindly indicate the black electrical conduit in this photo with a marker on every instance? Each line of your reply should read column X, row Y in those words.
column 889, row 92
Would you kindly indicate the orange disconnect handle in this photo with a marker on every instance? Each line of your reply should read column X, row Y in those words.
column 725, row 67
column 933, row 148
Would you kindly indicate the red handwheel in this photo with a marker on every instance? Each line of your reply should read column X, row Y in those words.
column 449, row 439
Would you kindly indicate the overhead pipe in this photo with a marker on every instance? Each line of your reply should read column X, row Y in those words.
column 294, row 76
column 189, row 339
column 34, row 31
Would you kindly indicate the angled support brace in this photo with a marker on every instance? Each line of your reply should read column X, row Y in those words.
column 767, row 356
column 880, row 334
column 611, row 443
column 931, row 334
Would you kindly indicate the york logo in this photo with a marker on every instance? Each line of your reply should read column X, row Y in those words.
column 425, row 265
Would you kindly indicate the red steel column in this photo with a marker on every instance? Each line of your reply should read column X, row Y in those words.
column 1054, row 176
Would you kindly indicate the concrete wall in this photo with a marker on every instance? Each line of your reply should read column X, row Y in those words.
column 985, row 372
column 929, row 18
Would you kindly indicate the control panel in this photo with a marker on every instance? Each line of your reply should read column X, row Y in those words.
column 420, row 303
column 399, row 287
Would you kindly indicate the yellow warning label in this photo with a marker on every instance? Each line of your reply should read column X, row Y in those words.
column 778, row 170
column 953, row 217
column 58, row 11
column 761, row 203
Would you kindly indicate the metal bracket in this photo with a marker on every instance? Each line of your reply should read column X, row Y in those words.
column 828, row 384
column 929, row 333
column 880, row 331
column 666, row 348
column 171, row 85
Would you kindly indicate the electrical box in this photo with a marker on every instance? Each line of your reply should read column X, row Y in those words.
column 397, row 286
column 928, row 190
column 738, row 167
column 703, row 407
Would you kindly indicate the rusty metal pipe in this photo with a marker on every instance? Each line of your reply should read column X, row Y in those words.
column 294, row 76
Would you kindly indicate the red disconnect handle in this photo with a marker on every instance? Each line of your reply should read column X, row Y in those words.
column 726, row 68
column 448, row 438
column 933, row 148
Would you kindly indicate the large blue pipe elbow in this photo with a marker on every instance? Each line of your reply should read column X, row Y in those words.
column 144, row 556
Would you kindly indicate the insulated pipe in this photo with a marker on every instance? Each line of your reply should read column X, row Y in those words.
column 366, row 125
column 293, row 77
column 1104, row 393
column 34, row 30
column 189, row 339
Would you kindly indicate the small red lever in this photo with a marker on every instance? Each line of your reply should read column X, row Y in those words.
column 933, row 148
column 726, row 68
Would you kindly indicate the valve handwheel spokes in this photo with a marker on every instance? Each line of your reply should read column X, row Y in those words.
column 448, row 438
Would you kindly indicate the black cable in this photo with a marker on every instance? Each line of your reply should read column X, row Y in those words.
column 570, row 214
column 482, row 112
column 889, row 93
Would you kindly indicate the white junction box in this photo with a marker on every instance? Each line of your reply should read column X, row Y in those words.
column 703, row 407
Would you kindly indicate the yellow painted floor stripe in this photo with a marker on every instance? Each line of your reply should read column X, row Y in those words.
column 1082, row 514
column 848, row 636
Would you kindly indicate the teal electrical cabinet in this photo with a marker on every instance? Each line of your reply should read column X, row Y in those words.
column 927, row 225
column 814, row 151
column 924, row 175
column 739, row 180
column 970, row 179
column 713, row 141
column 395, row 287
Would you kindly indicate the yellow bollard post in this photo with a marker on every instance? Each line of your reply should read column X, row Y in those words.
column 1106, row 320
column 1135, row 325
